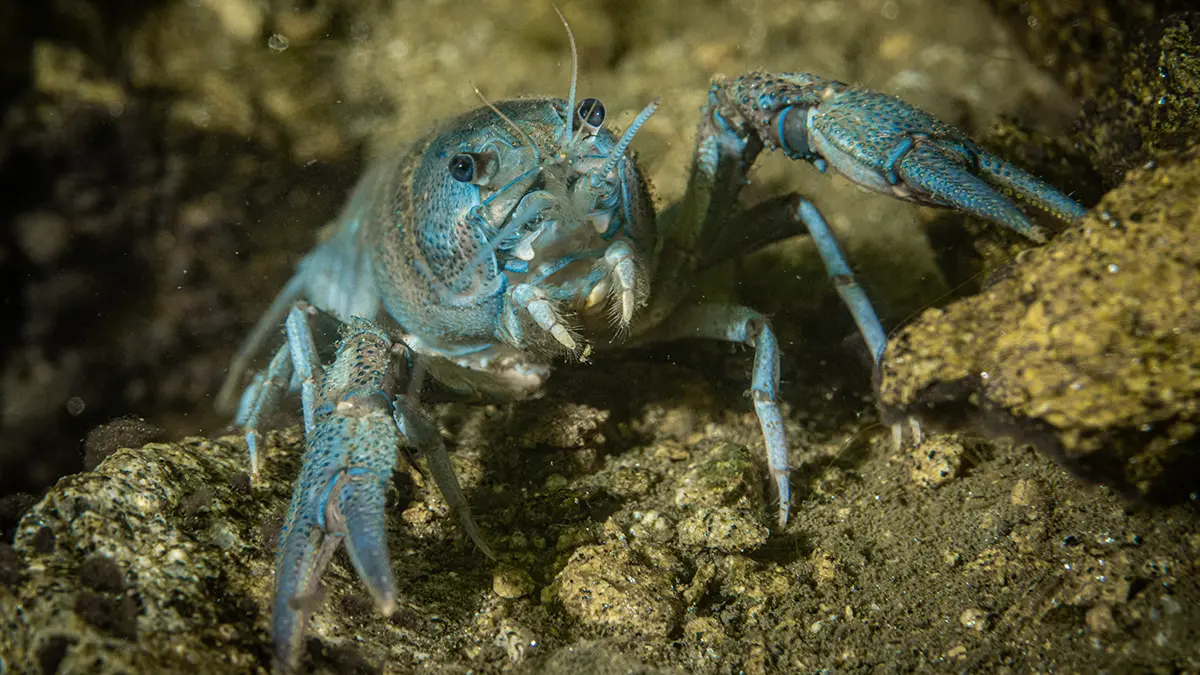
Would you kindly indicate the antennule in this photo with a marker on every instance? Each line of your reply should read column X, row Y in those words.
column 619, row 150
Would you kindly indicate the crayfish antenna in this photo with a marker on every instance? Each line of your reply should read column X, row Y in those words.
column 569, row 114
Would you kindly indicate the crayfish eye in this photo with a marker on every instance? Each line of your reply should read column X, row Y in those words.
column 590, row 113
column 476, row 168
column 462, row 167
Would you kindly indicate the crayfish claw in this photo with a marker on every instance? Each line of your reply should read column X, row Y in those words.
column 341, row 494
column 937, row 171
column 361, row 508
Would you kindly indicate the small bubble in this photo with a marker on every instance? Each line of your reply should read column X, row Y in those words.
column 985, row 375
column 75, row 406
column 1112, row 267
column 277, row 42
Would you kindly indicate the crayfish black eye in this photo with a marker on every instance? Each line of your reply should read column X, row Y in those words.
column 477, row 168
column 590, row 113
column 462, row 167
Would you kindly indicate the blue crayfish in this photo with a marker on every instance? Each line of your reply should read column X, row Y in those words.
column 522, row 232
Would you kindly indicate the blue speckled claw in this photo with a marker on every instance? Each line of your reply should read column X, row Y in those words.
column 885, row 145
column 948, row 175
column 348, row 462
column 354, row 429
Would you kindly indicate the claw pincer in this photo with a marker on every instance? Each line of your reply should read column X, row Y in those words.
column 888, row 146
column 341, row 492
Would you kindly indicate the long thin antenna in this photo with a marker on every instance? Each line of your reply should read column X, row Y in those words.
column 570, row 116
column 619, row 150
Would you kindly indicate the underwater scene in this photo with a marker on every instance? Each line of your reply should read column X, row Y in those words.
column 603, row 336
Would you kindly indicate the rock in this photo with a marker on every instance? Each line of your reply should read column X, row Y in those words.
column 575, row 426
column 510, row 582
column 621, row 589
column 1087, row 349
column 1073, row 37
column 723, row 529
column 1152, row 110
column 161, row 561
column 708, row 636
column 721, row 496
column 726, row 475
column 1100, row 619
column 123, row 573
column 598, row 658
column 937, row 460
column 974, row 618
column 12, row 567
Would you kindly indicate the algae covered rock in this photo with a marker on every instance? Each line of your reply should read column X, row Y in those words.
column 618, row 587
column 722, row 501
column 1153, row 109
column 1090, row 348
column 145, row 565
column 161, row 560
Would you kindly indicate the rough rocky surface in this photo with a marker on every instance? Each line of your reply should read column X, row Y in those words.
column 160, row 560
column 1151, row 111
column 1090, row 348
column 1083, row 40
